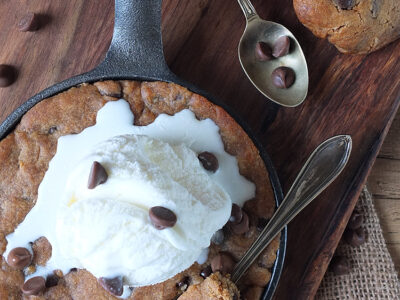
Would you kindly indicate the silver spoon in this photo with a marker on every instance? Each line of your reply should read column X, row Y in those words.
column 321, row 168
column 259, row 72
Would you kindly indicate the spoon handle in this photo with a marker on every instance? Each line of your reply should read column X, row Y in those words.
column 322, row 167
column 248, row 9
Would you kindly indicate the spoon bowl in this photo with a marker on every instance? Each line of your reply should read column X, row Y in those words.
column 259, row 72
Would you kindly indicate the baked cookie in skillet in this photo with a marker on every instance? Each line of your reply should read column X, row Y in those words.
column 24, row 158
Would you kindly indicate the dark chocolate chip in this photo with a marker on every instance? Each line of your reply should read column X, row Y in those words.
column 283, row 77
column 261, row 223
column 52, row 280
column 346, row 4
column 112, row 285
column 209, row 161
column 34, row 286
column 8, row 75
column 183, row 284
column 236, row 214
column 52, row 130
column 223, row 263
column 242, row 227
column 281, row 46
column 98, row 175
column 206, row 272
column 73, row 270
column 29, row 22
column 355, row 237
column 19, row 258
column 263, row 51
column 162, row 217
column 218, row 237
column 339, row 265
column 355, row 221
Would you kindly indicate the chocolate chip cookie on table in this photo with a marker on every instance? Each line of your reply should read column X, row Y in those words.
column 353, row 26
column 115, row 189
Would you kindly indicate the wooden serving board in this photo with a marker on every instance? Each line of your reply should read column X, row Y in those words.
column 356, row 95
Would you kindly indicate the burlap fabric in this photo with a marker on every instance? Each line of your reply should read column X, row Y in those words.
column 372, row 274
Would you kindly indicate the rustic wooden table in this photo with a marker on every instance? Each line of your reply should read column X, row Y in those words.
column 356, row 95
column 384, row 184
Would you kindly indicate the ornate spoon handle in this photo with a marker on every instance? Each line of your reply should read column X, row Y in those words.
column 322, row 167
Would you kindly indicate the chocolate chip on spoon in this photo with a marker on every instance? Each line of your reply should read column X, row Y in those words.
column 8, row 75
column 236, row 214
column 283, row 77
column 281, row 46
column 29, row 22
column 263, row 52
column 34, row 286
column 112, row 285
column 98, row 175
column 241, row 227
column 162, row 217
column 209, row 161
column 223, row 263
column 19, row 258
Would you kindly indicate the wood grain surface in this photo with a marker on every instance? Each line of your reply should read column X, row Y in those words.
column 356, row 95
column 384, row 184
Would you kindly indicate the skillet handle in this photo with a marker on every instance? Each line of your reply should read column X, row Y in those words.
column 136, row 47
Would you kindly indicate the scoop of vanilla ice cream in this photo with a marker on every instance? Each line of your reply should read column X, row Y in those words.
column 107, row 230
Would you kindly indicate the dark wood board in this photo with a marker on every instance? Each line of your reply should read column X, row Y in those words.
column 356, row 95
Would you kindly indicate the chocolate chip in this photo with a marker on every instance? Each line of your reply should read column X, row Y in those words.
column 355, row 221
column 241, row 227
column 261, row 223
column 34, row 286
column 339, row 265
column 236, row 214
column 345, row 4
column 73, row 270
column 263, row 52
column 355, row 237
column 183, row 284
column 8, row 75
column 162, row 217
column 281, row 46
column 29, row 22
column 223, row 263
column 209, row 161
column 218, row 237
column 283, row 77
column 206, row 272
column 52, row 130
column 112, row 285
column 98, row 175
column 19, row 258
column 52, row 280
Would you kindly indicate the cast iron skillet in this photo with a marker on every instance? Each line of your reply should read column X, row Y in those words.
column 136, row 53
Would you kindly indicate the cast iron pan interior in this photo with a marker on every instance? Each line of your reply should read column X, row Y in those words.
column 136, row 53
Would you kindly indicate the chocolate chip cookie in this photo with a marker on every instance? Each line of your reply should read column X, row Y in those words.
column 353, row 26
column 24, row 158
